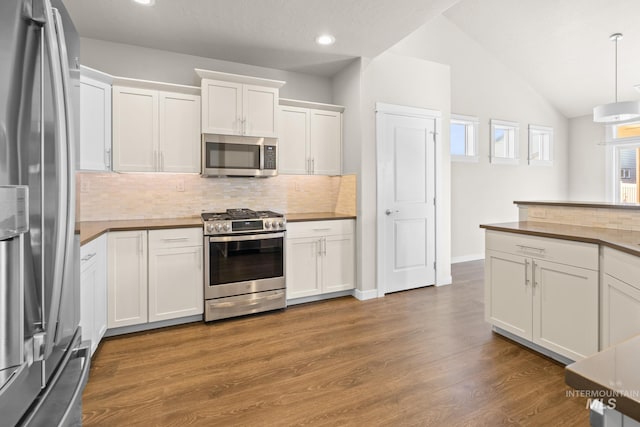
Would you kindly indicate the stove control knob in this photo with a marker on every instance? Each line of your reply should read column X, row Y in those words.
column 281, row 224
column 267, row 224
column 218, row 227
column 210, row 228
column 226, row 227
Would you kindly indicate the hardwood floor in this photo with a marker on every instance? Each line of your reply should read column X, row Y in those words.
column 422, row 357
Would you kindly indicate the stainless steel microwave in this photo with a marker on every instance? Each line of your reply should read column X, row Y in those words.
column 224, row 155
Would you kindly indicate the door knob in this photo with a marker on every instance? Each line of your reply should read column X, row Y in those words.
column 389, row 211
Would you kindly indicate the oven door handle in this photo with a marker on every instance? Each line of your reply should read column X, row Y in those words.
column 261, row 236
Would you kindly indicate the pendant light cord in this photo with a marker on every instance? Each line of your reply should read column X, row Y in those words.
column 616, row 69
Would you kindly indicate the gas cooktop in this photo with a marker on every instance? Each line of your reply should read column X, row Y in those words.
column 242, row 221
column 242, row 213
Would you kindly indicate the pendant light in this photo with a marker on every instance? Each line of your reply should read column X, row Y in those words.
column 616, row 112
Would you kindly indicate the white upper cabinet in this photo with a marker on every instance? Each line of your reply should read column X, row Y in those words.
column 239, row 105
column 135, row 129
column 325, row 142
column 95, row 120
column 294, row 140
column 155, row 130
column 310, row 138
column 221, row 107
column 179, row 135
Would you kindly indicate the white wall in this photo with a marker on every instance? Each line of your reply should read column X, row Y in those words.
column 347, row 92
column 482, row 86
column 402, row 80
column 587, row 163
column 151, row 64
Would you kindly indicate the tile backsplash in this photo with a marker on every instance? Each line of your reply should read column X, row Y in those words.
column 114, row 196
column 620, row 219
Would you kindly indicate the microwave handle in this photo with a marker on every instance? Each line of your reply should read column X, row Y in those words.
column 262, row 151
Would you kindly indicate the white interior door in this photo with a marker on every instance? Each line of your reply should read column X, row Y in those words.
column 406, row 201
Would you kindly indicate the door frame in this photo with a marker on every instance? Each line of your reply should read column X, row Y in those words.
column 404, row 111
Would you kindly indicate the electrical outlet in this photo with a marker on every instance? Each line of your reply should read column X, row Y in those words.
column 180, row 185
column 84, row 186
column 296, row 186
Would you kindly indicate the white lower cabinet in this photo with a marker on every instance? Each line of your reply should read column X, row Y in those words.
column 93, row 290
column 175, row 274
column 154, row 275
column 543, row 290
column 620, row 303
column 319, row 258
column 127, row 278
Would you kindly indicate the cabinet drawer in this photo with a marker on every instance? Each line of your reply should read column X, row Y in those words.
column 578, row 254
column 623, row 266
column 175, row 238
column 320, row 228
column 89, row 254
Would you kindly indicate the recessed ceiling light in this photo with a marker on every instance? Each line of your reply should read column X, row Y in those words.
column 325, row 40
column 145, row 2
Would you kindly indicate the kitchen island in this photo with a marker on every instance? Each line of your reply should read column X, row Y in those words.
column 551, row 254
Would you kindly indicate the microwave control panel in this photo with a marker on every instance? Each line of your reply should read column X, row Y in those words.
column 270, row 156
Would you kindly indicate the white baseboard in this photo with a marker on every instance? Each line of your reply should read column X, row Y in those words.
column 314, row 298
column 153, row 325
column 365, row 295
column 465, row 258
column 444, row 281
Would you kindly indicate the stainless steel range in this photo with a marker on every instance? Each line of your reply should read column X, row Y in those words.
column 244, row 263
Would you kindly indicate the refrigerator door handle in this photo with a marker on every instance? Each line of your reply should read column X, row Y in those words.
column 64, row 391
column 64, row 235
column 84, row 352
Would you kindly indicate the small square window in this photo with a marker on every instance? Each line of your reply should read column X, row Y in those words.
column 504, row 142
column 463, row 135
column 540, row 145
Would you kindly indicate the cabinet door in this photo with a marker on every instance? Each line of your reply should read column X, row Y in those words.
column 88, row 279
column 95, row 124
column 565, row 309
column 338, row 270
column 260, row 107
column 127, row 299
column 100, row 293
column 620, row 311
column 293, row 142
column 179, row 132
column 175, row 282
column 303, row 272
column 326, row 142
column 221, row 107
column 508, row 302
column 135, row 129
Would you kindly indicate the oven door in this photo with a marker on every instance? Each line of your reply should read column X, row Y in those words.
column 237, row 265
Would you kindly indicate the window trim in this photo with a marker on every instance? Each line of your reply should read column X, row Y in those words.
column 541, row 129
column 515, row 126
column 612, row 144
column 467, row 121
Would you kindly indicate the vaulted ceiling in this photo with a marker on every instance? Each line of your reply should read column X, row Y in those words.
column 560, row 47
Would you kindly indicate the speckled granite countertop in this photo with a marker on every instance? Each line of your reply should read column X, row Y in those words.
column 622, row 240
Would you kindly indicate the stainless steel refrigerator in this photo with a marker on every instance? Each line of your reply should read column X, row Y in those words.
column 43, row 365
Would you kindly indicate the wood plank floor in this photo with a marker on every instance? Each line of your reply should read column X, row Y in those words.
column 422, row 357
